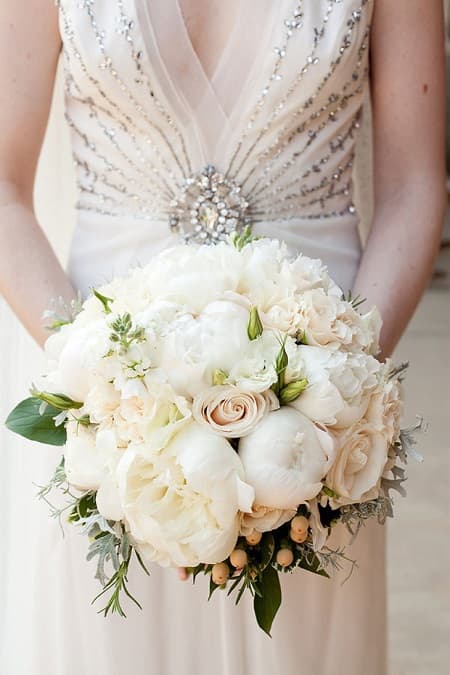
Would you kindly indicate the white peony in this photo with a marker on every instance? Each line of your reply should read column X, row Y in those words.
column 285, row 459
column 182, row 505
column 198, row 346
column 230, row 412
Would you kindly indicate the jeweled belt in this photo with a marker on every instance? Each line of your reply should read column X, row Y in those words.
column 209, row 208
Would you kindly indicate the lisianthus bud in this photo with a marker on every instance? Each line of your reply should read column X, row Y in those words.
column 300, row 525
column 238, row 558
column 285, row 557
column 220, row 573
column 298, row 537
column 292, row 391
column 219, row 377
column 255, row 327
column 254, row 538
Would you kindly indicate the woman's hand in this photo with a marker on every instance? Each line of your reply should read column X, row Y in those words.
column 408, row 94
column 30, row 274
column 183, row 574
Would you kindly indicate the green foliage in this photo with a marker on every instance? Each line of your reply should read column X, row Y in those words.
column 267, row 599
column 124, row 333
column 241, row 239
column 104, row 300
column 36, row 421
column 58, row 401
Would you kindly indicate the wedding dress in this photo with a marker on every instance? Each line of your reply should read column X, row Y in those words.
column 278, row 118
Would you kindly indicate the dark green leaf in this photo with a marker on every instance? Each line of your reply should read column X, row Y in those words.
column 27, row 421
column 212, row 587
column 267, row 550
column 267, row 606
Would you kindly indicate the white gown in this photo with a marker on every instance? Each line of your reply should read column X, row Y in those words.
column 279, row 116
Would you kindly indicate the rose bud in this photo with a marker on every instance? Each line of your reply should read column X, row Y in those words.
column 238, row 558
column 299, row 524
column 298, row 537
column 285, row 557
column 220, row 573
column 254, row 538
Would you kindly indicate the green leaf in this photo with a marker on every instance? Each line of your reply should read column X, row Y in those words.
column 267, row 550
column 267, row 605
column 104, row 300
column 292, row 391
column 27, row 421
column 254, row 327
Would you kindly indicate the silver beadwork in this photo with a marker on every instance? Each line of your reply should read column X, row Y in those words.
column 209, row 208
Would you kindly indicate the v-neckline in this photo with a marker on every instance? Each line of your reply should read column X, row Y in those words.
column 201, row 101
column 211, row 78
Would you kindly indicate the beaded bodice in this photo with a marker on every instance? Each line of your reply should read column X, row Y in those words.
column 269, row 136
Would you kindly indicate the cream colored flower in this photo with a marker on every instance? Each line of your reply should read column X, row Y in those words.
column 385, row 410
column 362, row 453
column 231, row 412
column 264, row 519
column 286, row 458
column 182, row 504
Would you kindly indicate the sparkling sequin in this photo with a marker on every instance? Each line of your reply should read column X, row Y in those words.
column 291, row 158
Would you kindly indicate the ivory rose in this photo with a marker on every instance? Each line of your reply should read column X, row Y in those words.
column 362, row 453
column 230, row 412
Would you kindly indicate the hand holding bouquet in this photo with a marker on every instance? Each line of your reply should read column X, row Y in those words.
column 220, row 409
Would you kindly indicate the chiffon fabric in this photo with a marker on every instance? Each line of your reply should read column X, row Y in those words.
column 278, row 111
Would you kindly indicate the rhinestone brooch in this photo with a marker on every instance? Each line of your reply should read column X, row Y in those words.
column 209, row 208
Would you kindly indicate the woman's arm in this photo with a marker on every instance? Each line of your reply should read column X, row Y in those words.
column 30, row 274
column 408, row 93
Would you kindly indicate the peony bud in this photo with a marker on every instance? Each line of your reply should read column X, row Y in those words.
column 254, row 538
column 285, row 557
column 292, row 391
column 298, row 537
column 220, row 573
column 255, row 327
column 238, row 558
column 299, row 525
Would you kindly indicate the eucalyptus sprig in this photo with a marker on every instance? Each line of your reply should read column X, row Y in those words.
column 124, row 334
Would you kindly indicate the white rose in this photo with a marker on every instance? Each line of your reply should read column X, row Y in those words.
column 230, row 412
column 264, row 519
column 182, row 504
column 362, row 452
column 285, row 459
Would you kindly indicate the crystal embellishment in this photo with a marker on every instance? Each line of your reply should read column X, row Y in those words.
column 209, row 208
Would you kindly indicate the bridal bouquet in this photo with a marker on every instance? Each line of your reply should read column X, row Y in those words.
column 220, row 409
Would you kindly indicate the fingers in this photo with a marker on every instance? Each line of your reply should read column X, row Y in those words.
column 182, row 574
